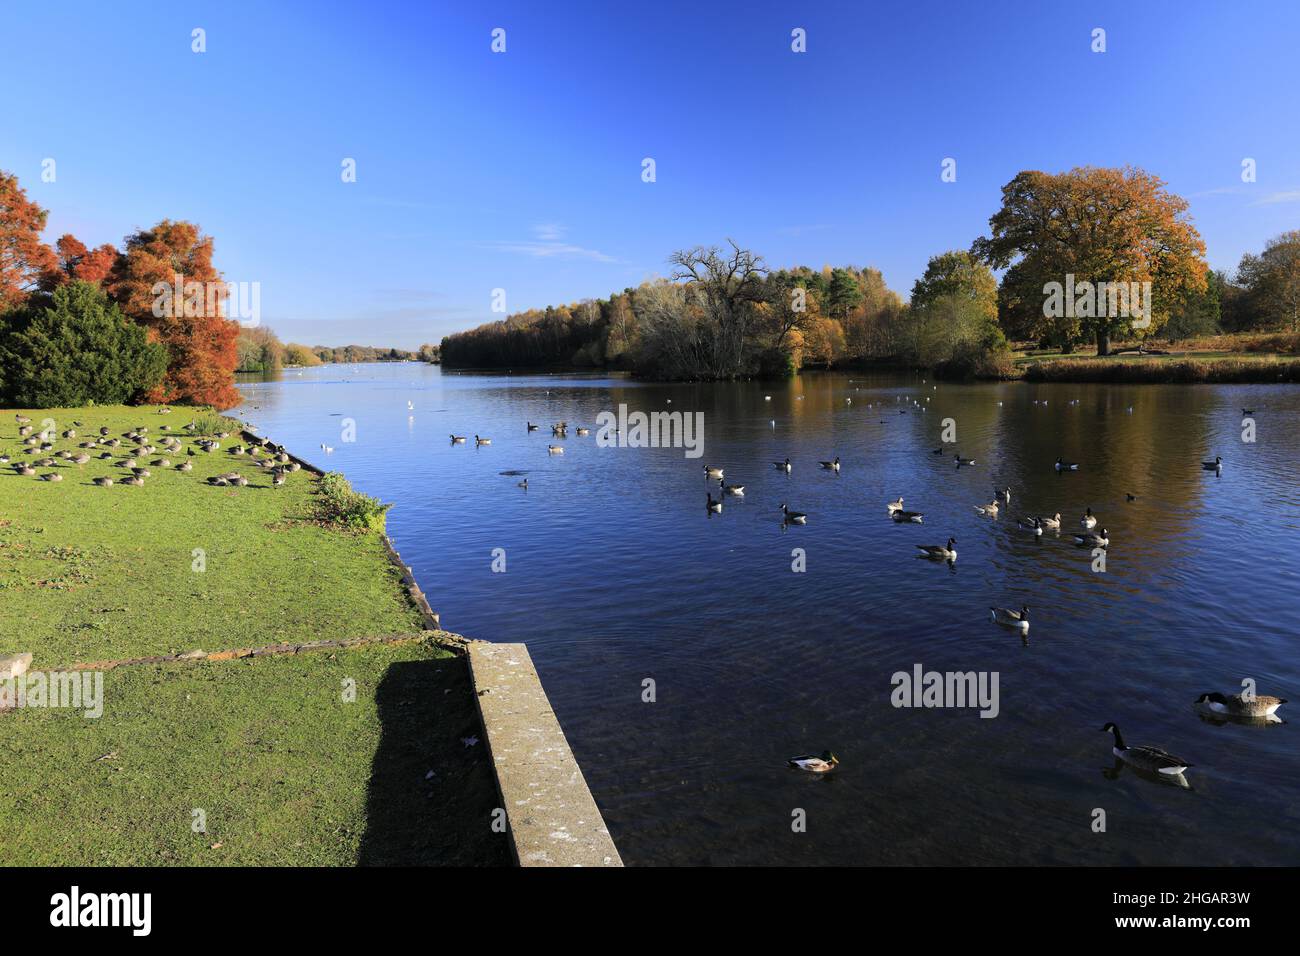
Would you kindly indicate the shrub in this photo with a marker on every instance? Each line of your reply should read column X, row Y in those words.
column 74, row 348
column 340, row 505
column 208, row 422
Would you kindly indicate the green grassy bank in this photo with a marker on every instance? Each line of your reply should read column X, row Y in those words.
column 285, row 770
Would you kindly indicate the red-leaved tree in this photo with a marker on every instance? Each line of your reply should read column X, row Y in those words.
column 24, row 258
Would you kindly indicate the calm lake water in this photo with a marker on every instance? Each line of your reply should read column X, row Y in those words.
column 616, row 572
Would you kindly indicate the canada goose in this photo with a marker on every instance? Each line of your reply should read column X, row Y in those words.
column 946, row 552
column 823, row 764
column 4, row 459
column 990, row 509
column 458, row 439
column 555, row 449
column 185, row 466
column 1053, row 523
column 1093, row 540
column 938, row 451
column 1036, row 526
column 162, row 462
column 1238, row 705
column 104, row 482
column 963, row 461
column 1066, row 465
column 1151, row 759
column 831, row 465
column 1009, row 618
column 531, row 427
column 895, row 505
column 793, row 517
column 132, row 480
column 1213, row 465
column 1005, row 495
column 1248, row 411
column 126, row 463
column 140, row 472
column 481, row 441
column 902, row 517
column 583, row 432
column 1131, row 497
column 69, row 433
column 81, row 460
column 325, row 448
column 736, row 490
column 714, row 506
column 277, row 479
column 51, row 476
column 21, row 419
column 104, row 431
column 782, row 465
column 1088, row 520
column 217, row 480
column 523, row 484
column 105, row 456
column 25, row 431
column 712, row 472
column 241, row 481
column 26, row 470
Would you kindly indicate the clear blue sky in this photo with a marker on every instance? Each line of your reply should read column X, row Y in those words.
column 522, row 170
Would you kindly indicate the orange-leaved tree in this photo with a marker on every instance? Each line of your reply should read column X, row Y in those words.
column 165, row 280
column 24, row 258
column 76, row 261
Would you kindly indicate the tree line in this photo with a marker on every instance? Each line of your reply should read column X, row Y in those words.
column 721, row 313
column 259, row 349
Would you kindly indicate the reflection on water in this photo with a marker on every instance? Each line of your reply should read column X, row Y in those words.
column 616, row 573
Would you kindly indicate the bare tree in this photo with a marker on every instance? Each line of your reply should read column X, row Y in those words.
column 725, row 288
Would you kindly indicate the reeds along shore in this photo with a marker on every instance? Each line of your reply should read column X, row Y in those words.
column 1223, row 371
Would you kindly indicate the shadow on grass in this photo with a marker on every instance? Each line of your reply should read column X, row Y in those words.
column 426, row 711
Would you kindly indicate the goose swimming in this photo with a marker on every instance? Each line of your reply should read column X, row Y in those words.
column 1093, row 540
column 712, row 472
column 813, row 764
column 782, row 465
column 1036, row 526
column 1213, row 465
column 1088, row 520
column 1066, row 465
column 713, row 506
column 736, row 490
column 555, row 449
column 1009, row 618
column 1151, row 759
column 945, row 552
column 830, row 465
column 458, row 439
column 1053, row 523
column 990, row 509
column 1238, row 705
column 895, row 505
column 963, row 461
column 793, row 517
column 902, row 517
column 482, row 441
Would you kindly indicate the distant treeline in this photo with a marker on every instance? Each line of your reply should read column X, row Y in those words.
column 260, row 350
column 723, row 314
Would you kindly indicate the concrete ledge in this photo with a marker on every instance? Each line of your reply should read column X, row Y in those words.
column 553, row 819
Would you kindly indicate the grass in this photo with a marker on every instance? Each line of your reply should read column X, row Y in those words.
column 286, row 772
column 1204, row 368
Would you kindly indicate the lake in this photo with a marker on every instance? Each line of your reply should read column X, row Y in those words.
column 616, row 573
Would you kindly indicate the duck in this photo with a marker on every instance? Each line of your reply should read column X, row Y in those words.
column 831, row 465
column 481, row 441
column 902, row 517
column 1088, row 520
column 1151, row 759
column 1036, row 526
column 1062, row 465
column 946, row 552
column 815, row 764
column 896, row 505
column 1093, row 540
column 1052, row 524
column 458, row 439
column 782, row 465
column 1238, row 705
column 990, row 509
column 1213, row 465
column 713, row 506
column 1009, row 618
column 737, row 491
column 555, row 449
column 963, row 461
column 793, row 517
column 712, row 472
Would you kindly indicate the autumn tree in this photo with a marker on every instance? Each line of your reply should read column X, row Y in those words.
column 200, row 340
column 1272, row 280
column 75, row 261
column 958, row 273
column 24, row 258
column 1097, row 225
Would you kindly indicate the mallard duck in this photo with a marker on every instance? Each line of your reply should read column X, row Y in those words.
column 555, row 449
column 1238, row 705
column 1093, row 540
column 1009, row 618
column 896, row 505
column 737, row 491
column 782, row 465
column 458, row 439
column 793, row 517
column 831, row 465
column 1151, row 759
column 482, row 441
column 990, row 509
column 1213, row 465
column 944, row 552
column 813, row 764
column 712, row 472
column 1035, row 526
column 902, row 517
column 1062, row 465
column 714, row 506
column 1089, row 520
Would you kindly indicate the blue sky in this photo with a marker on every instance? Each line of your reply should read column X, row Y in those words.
column 522, row 170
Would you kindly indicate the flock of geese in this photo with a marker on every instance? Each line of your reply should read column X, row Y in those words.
column 133, row 449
